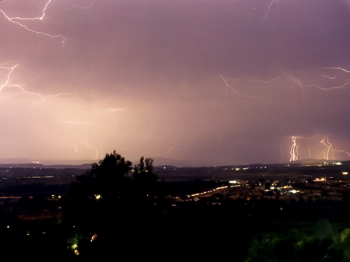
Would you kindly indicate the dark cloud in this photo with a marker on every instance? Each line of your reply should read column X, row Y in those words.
column 209, row 81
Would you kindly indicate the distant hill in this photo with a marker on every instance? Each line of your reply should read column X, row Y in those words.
column 30, row 165
column 157, row 162
column 160, row 161
column 14, row 160
column 44, row 162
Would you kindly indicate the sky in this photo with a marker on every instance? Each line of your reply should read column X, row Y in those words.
column 203, row 82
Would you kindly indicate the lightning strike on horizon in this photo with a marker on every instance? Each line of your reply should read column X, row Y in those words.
column 281, row 151
column 326, row 143
column 310, row 157
column 294, row 150
column 173, row 145
column 96, row 149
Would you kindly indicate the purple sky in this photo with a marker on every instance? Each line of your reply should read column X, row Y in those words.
column 205, row 81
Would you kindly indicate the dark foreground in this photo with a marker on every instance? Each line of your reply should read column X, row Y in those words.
column 107, row 214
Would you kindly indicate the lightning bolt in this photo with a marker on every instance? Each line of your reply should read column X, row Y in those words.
column 329, row 77
column 172, row 147
column 330, row 88
column 96, row 149
column 15, row 20
column 268, row 11
column 78, row 6
column 333, row 82
column 11, row 69
column 342, row 151
column 34, row 18
column 298, row 82
column 21, row 22
column 294, row 150
column 338, row 86
column 263, row 82
column 310, row 157
column 229, row 87
column 281, row 151
column 7, row 84
column 18, row 20
column 338, row 68
column 326, row 143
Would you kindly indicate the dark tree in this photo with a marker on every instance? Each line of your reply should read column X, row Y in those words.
column 108, row 199
column 145, row 179
column 108, row 178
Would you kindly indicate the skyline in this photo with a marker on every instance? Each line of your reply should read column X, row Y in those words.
column 211, row 82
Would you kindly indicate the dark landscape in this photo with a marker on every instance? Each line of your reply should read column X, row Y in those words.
column 282, row 212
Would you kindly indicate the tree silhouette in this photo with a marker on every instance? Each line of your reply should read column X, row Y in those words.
column 108, row 178
column 107, row 199
column 145, row 179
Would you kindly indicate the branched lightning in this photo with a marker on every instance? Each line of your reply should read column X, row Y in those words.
column 7, row 84
column 229, row 87
column 21, row 21
column 332, row 83
column 332, row 87
column 15, row 20
column 347, row 82
column 264, row 82
column 338, row 86
column 33, row 18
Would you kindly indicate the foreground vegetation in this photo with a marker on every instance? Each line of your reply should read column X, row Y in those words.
column 109, row 212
